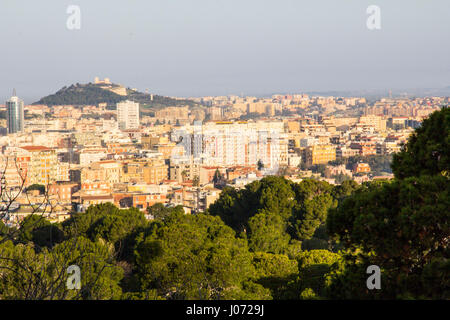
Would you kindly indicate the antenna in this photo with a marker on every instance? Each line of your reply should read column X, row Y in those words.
column 14, row 92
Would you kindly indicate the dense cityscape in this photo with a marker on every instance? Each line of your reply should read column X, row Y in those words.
column 134, row 156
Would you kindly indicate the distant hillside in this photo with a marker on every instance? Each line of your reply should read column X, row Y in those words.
column 93, row 94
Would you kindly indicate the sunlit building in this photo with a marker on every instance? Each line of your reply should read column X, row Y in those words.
column 128, row 115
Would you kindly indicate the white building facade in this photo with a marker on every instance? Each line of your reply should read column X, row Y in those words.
column 128, row 115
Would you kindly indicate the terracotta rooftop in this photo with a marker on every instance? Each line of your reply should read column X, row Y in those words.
column 35, row 148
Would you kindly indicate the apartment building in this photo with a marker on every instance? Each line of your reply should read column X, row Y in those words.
column 62, row 192
column 128, row 115
column 319, row 154
column 150, row 171
column 236, row 143
column 107, row 170
column 38, row 164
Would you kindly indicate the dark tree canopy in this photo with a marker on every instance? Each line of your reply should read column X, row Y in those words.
column 192, row 257
column 39, row 187
column 109, row 223
column 404, row 222
column 275, row 214
column 160, row 212
column 428, row 149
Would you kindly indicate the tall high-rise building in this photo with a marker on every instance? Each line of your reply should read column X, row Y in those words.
column 128, row 115
column 15, row 114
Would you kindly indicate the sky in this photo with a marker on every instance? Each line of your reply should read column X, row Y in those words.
column 219, row 47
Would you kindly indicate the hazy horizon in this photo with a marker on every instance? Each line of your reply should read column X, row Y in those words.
column 217, row 47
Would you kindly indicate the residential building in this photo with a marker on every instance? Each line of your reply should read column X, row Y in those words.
column 128, row 115
column 319, row 154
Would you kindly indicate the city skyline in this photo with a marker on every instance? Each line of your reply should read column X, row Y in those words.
column 366, row 93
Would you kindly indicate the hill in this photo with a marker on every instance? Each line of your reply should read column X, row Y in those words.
column 93, row 94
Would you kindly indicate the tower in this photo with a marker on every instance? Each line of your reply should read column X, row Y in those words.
column 15, row 114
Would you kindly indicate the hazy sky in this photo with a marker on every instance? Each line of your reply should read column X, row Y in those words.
column 214, row 47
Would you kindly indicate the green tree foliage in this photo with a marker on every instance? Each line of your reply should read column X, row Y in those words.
column 196, row 181
column 273, row 265
column 271, row 195
column 226, row 207
column 35, row 228
column 347, row 279
column 80, row 223
column 249, row 290
column 219, row 180
column 159, row 212
column 405, row 223
column 274, row 212
column 107, row 222
column 312, row 257
column 277, row 273
column 428, row 149
column 314, row 266
column 39, row 187
column 345, row 189
column 308, row 294
column 267, row 233
column 81, row 95
column 3, row 230
column 313, row 199
column 27, row 274
column 100, row 276
column 192, row 257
